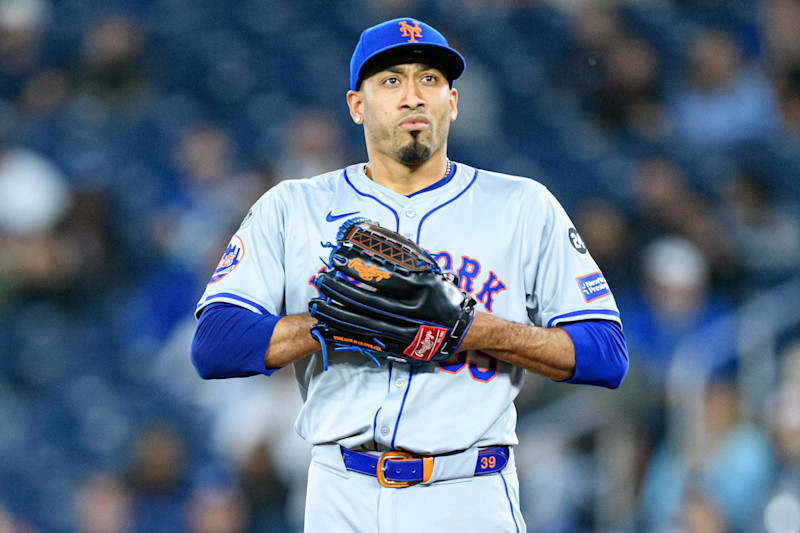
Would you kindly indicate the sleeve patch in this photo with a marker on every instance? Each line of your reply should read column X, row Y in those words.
column 233, row 255
column 593, row 286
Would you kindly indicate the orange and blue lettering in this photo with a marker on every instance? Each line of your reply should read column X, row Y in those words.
column 487, row 371
column 444, row 260
column 455, row 364
column 469, row 270
column 492, row 286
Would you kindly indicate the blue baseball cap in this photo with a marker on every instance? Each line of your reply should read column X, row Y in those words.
column 403, row 35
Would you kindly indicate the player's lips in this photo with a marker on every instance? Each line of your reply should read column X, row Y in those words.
column 414, row 122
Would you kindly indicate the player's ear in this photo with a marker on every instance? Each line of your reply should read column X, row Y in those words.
column 453, row 104
column 356, row 105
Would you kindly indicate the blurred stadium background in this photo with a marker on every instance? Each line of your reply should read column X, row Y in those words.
column 135, row 134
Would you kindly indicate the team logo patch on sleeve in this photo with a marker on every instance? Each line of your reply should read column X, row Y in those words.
column 593, row 286
column 233, row 255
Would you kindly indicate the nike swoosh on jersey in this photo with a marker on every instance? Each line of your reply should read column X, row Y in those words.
column 330, row 217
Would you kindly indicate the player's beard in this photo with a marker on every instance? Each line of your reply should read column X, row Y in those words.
column 414, row 153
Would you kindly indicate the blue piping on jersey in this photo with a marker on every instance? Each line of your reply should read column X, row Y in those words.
column 262, row 309
column 408, row 386
column 441, row 183
column 583, row 313
column 453, row 199
column 509, row 502
column 375, row 427
column 396, row 216
column 375, row 422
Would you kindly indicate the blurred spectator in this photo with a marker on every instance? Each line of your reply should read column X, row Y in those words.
column 34, row 199
column 267, row 495
column 666, row 203
column 247, row 428
column 723, row 101
column 630, row 97
column 22, row 28
column 478, row 111
column 190, row 229
column 35, row 195
column 216, row 503
column 765, row 233
column 217, row 510
column 314, row 145
column 674, row 303
column 103, row 506
column 211, row 196
column 55, row 239
column 112, row 73
column 157, row 479
column 782, row 513
column 597, row 27
column 719, row 478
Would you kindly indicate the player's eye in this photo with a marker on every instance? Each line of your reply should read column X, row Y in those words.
column 391, row 81
column 429, row 78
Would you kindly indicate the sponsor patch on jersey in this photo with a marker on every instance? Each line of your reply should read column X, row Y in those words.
column 233, row 255
column 593, row 286
column 368, row 272
column 576, row 241
column 426, row 343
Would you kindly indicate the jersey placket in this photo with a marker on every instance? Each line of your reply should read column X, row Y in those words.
column 389, row 417
column 409, row 220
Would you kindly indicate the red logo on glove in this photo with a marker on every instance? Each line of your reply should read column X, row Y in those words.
column 426, row 343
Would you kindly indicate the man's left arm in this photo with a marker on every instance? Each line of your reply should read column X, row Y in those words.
column 591, row 352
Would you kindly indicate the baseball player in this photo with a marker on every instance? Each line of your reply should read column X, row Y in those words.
column 411, row 444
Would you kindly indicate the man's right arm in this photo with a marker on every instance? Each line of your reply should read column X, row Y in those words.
column 231, row 341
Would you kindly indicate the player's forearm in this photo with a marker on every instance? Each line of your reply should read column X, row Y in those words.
column 290, row 341
column 545, row 351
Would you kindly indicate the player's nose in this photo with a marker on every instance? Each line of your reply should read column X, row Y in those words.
column 412, row 96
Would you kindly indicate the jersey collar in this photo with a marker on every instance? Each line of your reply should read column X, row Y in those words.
column 451, row 182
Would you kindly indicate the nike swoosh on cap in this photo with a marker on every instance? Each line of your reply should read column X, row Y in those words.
column 330, row 217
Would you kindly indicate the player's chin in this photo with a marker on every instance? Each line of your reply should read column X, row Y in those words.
column 414, row 153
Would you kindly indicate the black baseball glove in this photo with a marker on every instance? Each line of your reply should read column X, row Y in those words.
column 386, row 297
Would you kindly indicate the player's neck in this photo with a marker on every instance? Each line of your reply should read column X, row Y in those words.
column 406, row 179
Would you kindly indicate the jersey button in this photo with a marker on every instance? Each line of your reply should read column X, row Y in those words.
column 410, row 213
column 398, row 382
column 384, row 431
column 410, row 236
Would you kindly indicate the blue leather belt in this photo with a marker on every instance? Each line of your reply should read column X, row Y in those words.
column 398, row 469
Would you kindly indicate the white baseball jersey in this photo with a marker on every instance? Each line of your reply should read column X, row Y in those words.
column 514, row 249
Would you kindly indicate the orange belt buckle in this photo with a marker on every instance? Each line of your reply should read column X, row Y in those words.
column 381, row 470
column 427, row 468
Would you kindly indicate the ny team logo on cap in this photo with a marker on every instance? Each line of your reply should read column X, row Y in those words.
column 397, row 36
column 412, row 33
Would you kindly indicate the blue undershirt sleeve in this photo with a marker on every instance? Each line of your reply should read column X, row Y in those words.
column 231, row 342
column 601, row 355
